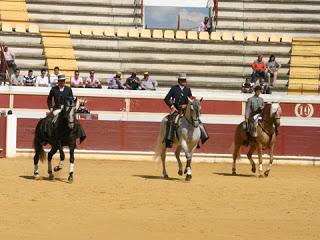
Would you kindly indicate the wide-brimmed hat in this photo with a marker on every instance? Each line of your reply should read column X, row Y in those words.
column 182, row 76
column 118, row 73
column 146, row 73
column 61, row 77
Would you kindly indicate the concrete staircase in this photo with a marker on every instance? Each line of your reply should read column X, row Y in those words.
column 299, row 18
column 65, row 14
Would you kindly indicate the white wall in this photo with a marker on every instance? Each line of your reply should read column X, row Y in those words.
column 176, row 3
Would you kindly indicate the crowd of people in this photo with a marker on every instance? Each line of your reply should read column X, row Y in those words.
column 91, row 81
column 266, row 73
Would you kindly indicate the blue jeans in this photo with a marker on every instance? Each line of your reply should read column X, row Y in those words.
column 260, row 74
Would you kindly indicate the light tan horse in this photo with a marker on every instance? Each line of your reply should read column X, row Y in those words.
column 266, row 137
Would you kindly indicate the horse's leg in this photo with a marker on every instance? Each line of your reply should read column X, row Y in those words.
column 259, row 148
column 249, row 155
column 235, row 155
column 70, row 178
column 36, row 162
column 61, row 162
column 177, row 154
column 188, row 154
column 266, row 173
column 53, row 150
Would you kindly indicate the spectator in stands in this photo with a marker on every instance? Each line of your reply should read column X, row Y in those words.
column 10, row 58
column 116, row 82
column 133, row 82
column 273, row 67
column 29, row 80
column 16, row 78
column 147, row 83
column 54, row 77
column 205, row 25
column 42, row 80
column 259, row 69
column 247, row 87
column 76, row 80
column 265, row 89
column 92, row 81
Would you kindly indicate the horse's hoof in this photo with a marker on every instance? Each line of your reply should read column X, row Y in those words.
column 253, row 169
column 36, row 176
column 260, row 176
column 51, row 177
column 266, row 173
column 57, row 168
column 70, row 178
column 188, row 177
column 166, row 176
column 180, row 172
column 234, row 173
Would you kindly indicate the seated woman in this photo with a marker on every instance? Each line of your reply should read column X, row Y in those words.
column 272, row 70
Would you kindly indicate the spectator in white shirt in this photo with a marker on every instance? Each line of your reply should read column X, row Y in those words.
column 147, row 83
column 92, row 81
column 42, row 80
column 205, row 25
column 54, row 77
column 16, row 78
column 76, row 80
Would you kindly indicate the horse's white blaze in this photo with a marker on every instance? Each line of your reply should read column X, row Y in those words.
column 71, row 167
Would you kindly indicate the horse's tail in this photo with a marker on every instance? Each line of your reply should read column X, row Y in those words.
column 160, row 147
column 235, row 151
column 38, row 146
column 237, row 142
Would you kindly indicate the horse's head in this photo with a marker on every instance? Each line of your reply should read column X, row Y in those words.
column 194, row 110
column 70, row 112
column 275, row 113
column 272, row 111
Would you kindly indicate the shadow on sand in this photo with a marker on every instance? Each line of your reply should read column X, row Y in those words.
column 149, row 177
column 65, row 180
column 238, row 174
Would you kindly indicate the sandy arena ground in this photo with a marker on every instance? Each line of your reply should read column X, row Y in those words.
column 129, row 200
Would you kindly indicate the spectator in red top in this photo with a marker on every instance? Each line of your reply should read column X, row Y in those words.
column 259, row 69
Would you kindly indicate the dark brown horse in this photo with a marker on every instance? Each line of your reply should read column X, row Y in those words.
column 266, row 137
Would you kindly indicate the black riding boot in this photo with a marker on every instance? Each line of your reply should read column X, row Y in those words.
column 170, row 133
column 204, row 135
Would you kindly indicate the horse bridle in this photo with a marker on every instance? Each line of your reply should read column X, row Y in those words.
column 193, row 121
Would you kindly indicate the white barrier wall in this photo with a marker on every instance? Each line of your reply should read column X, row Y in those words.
column 11, row 137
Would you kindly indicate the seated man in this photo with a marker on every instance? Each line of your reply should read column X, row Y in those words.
column 76, row 80
column 205, row 25
column 29, row 80
column 92, row 81
column 259, row 69
column 247, row 87
column 16, row 78
column 54, row 76
column 42, row 80
column 265, row 89
column 254, row 108
column 116, row 82
column 133, row 82
column 147, row 83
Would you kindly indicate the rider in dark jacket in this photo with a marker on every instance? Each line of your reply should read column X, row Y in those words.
column 177, row 101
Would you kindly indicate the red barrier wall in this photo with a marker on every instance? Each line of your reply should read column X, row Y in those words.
column 141, row 136
column 3, row 136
